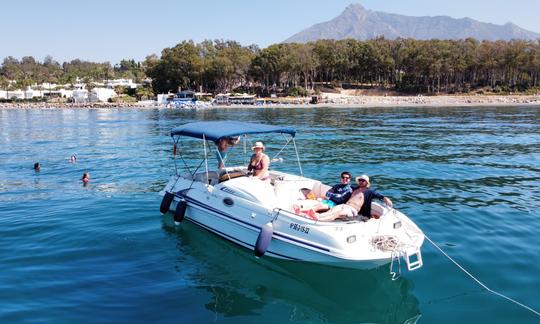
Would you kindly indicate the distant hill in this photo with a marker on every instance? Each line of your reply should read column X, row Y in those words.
column 359, row 23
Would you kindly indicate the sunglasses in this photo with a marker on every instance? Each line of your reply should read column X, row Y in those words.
column 348, row 178
column 361, row 180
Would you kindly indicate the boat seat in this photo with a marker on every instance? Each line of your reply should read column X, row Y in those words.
column 377, row 210
column 288, row 191
column 320, row 188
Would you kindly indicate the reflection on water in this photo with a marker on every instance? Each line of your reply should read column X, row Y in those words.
column 248, row 285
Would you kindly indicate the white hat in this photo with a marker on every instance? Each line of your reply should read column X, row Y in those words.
column 258, row 145
column 363, row 176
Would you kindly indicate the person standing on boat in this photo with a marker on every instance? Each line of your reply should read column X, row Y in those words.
column 369, row 194
column 223, row 147
column 259, row 162
column 341, row 192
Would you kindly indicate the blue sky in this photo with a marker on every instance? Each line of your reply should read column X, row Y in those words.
column 111, row 30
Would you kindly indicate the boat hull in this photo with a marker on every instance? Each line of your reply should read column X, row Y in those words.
column 339, row 244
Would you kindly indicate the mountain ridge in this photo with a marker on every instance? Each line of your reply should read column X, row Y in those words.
column 361, row 24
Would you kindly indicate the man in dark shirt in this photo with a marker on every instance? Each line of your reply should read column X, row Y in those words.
column 341, row 192
column 363, row 186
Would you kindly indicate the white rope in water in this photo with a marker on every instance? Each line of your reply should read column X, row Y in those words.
column 478, row 281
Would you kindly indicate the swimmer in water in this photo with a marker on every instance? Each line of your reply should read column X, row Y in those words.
column 73, row 159
column 85, row 177
column 37, row 166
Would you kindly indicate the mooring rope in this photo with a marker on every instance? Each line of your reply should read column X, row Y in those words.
column 386, row 243
column 479, row 282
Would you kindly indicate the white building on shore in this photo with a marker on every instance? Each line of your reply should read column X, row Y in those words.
column 12, row 94
column 126, row 83
column 80, row 95
column 101, row 94
column 30, row 93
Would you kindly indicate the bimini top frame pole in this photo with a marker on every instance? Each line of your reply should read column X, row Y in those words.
column 205, row 156
column 298, row 158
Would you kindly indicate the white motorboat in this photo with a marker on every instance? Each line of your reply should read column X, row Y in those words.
column 267, row 217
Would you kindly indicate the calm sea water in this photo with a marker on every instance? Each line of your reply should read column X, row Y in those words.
column 469, row 177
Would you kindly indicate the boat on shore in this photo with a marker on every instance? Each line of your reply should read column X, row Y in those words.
column 267, row 216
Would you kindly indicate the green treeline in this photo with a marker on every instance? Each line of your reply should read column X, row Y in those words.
column 407, row 65
column 411, row 66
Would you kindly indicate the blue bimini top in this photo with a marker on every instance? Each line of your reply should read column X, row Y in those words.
column 214, row 130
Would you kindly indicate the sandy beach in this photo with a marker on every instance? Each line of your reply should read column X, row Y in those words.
column 326, row 100
column 429, row 101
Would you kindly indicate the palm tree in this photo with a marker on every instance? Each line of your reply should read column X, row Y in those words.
column 144, row 92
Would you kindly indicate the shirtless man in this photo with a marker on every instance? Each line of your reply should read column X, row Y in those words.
column 347, row 210
column 369, row 194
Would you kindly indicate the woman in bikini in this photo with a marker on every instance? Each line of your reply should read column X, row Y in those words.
column 259, row 163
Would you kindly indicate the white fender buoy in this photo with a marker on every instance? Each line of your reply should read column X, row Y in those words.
column 166, row 202
column 265, row 236
column 180, row 211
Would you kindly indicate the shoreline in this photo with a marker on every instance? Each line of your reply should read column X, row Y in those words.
column 327, row 100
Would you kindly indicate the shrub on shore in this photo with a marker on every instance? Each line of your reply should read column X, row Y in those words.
column 296, row 92
column 122, row 99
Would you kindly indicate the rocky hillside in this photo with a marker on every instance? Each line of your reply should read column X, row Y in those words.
column 359, row 23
